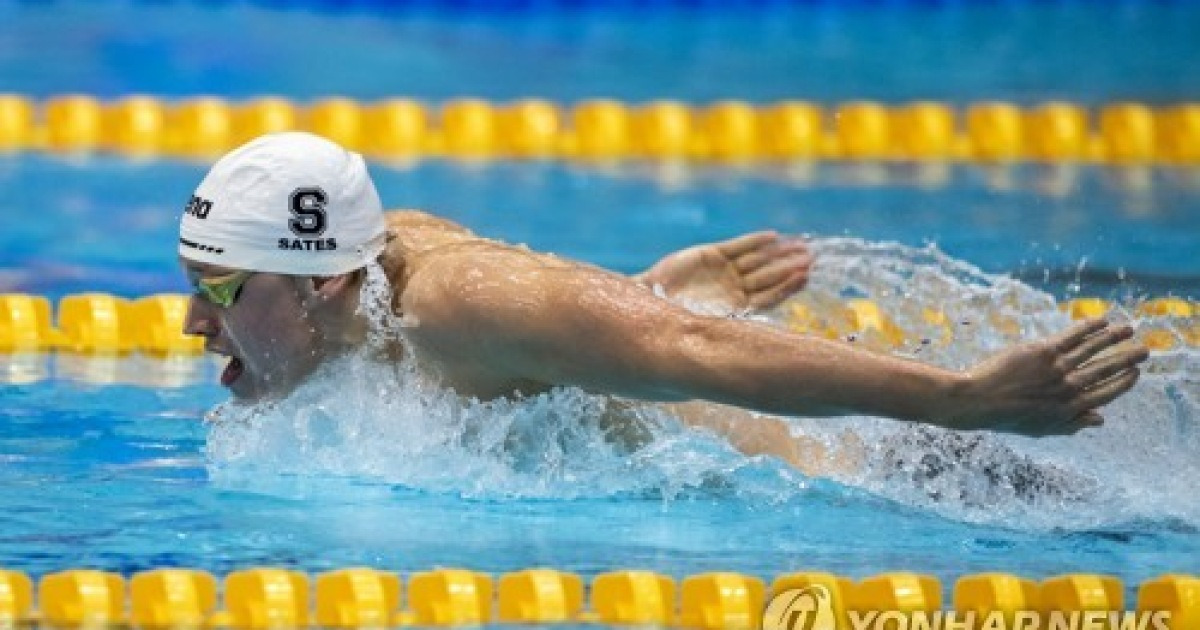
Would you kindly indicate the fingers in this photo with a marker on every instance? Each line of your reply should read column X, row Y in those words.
column 771, row 269
column 1090, row 419
column 1109, row 378
column 1108, row 366
column 773, row 283
column 1105, row 392
column 750, row 261
column 1095, row 344
column 746, row 243
column 768, row 253
column 778, row 271
column 1069, row 425
column 1075, row 335
column 773, row 296
column 1085, row 420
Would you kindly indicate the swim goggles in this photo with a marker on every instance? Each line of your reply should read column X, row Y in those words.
column 221, row 290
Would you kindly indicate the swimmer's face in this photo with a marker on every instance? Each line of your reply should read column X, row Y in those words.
column 265, row 330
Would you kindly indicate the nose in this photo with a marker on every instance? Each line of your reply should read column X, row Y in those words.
column 201, row 318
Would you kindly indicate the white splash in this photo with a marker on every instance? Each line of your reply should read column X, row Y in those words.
column 365, row 418
column 1138, row 466
column 385, row 422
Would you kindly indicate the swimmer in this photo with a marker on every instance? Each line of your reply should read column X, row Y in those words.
column 277, row 237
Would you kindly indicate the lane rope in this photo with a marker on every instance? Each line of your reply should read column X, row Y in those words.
column 725, row 132
column 363, row 597
column 105, row 324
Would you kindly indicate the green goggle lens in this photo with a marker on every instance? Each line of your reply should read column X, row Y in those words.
column 220, row 290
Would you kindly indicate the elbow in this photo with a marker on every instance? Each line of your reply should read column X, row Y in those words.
column 743, row 364
column 699, row 357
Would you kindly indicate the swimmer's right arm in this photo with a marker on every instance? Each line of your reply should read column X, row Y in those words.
column 577, row 326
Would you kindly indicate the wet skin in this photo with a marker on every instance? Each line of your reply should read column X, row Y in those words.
column 490, row 319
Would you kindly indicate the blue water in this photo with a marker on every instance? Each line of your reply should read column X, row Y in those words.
column 107, row 224
column 895, row 51
column 128, row 477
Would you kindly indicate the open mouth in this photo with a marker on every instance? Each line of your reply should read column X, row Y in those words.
column 234, row 367
column 233, row 370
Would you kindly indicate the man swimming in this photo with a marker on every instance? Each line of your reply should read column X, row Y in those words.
column 277, row 236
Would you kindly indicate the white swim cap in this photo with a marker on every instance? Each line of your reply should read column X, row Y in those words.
column 291, row 203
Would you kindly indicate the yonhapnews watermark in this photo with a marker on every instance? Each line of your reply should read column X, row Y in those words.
column 809, row 608
column 812, row 608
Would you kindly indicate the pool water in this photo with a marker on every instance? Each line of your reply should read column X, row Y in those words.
column 106, row 224
column 370, row 465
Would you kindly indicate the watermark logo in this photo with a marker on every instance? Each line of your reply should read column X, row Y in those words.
column 809, row 608
column 812, row 608
column 1020, row 620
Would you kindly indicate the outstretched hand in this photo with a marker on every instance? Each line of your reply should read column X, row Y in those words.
column 756, row 271
column 1054, row 386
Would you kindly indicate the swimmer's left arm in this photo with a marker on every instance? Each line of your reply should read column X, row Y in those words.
column 572, row 325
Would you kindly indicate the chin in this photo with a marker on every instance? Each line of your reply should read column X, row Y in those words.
column 243, row 390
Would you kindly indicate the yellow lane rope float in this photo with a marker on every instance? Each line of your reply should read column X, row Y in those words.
column 726, row 132
column 99, row 323
column 260, row 598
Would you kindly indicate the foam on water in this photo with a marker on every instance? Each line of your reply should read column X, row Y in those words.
column 1137, row 466
column 362, row 418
